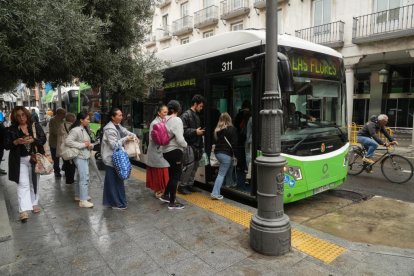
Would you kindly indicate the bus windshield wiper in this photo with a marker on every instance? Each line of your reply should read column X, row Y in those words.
column 295, row 147
column 341, row 133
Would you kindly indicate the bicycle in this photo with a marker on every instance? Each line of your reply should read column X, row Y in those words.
column 394, row 167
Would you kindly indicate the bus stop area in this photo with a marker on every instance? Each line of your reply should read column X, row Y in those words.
column 208, row 237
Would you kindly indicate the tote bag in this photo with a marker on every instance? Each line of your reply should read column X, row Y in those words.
column 121, row 162
column 132, row 148
column 44, row 164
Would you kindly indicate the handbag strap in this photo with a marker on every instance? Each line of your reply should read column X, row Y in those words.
column 46, row 148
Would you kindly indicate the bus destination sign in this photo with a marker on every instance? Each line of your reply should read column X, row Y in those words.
column 323, row 67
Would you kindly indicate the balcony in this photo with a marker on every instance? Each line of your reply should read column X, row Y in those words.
column 163, row 3
column 182, row 26
column 388, row 24
column 164, row 33
column 206, row 17
column 150, row 40
column 261, row 4
column 233, row 8
column 331, row 34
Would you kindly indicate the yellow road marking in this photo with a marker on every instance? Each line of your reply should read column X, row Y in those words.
column 308, row 244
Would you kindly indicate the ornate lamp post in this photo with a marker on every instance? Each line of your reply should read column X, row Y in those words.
column 270, row 227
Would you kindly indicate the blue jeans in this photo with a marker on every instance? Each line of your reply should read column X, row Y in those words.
column 81, row 188
column 225, row 172
column 370, row 144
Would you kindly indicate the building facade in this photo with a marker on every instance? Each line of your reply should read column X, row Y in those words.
column 376, row 38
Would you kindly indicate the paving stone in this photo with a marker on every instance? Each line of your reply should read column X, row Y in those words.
column 168, row 252
column 191, row 266
column 135, row 264
column 247, row 267
column 81, row 262
column 221, row 256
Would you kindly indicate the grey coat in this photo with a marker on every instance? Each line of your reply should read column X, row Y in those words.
column 76, row 138
column 155, row 158
column 112, row 137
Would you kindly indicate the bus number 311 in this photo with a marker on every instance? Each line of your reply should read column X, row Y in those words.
column 227, row 66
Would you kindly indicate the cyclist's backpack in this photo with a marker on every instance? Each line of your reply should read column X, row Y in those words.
column 159, row 133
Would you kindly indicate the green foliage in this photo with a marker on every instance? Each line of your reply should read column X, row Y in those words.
column 44, row 40
column 94, row 40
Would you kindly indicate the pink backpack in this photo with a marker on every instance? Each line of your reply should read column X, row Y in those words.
column 159, row 133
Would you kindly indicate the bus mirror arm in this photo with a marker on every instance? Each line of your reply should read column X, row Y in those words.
column 285, row 72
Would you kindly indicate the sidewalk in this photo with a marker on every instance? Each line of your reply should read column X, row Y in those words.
column 149, row 239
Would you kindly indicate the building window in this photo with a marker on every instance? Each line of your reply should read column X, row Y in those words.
column 387, row 10
column 184, row 9
column 362, row 83
column 208, row 34
column 401, row 79
column 208, row 3
column 321, row 12
column 237, row 26
column 185, row 40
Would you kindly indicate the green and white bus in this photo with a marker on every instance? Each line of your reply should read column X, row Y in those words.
column 228, row 70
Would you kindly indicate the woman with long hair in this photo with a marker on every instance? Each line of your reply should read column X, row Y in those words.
column 21, row 142
column 79, row 138
column 225, row 135
column 114, row 134
column 157, row 166
column 173, row 153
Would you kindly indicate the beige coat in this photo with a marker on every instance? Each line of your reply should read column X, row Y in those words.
column 61, row 136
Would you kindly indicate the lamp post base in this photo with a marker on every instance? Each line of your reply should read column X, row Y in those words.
column 270, row 237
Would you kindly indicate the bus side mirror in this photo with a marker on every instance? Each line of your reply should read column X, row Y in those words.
column 285, row 73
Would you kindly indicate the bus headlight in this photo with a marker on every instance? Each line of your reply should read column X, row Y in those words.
column 345, row 160
column 295, row 172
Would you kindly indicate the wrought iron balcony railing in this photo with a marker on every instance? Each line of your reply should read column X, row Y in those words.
column 206, row 17
column 331, row 34
column 164, row 33
column 163, row 3
column 233, row 8
column 388, row 24
column 183, row 25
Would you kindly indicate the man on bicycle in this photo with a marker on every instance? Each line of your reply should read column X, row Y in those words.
column 367, row 136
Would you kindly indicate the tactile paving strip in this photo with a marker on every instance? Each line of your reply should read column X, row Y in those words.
column 308, row 244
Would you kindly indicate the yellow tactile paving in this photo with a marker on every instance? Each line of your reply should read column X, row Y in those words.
column 308, row 244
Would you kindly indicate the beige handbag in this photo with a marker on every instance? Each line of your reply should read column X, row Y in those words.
column 132, row 148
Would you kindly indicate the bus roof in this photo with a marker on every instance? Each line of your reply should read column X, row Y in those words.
column 233, row 41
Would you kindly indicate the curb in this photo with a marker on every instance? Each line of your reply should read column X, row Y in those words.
column 5, row 229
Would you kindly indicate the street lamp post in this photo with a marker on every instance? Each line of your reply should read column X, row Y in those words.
column 270, row 227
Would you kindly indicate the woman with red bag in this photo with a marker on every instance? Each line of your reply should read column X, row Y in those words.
column 22, row 144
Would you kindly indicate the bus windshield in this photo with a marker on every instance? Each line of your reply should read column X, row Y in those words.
column 314, row 108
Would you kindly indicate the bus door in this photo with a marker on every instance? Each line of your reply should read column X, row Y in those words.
column 231, row 94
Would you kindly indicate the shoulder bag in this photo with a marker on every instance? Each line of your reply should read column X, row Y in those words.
column 68, row 153
column 121, row 162
column 132, row 148
column 214, row 162
column 43, row 162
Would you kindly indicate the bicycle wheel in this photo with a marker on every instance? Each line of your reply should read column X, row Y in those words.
column 355, row 163
column 397, row 169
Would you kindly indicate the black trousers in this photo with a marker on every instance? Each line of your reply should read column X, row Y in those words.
column 173, row 157
column 69, row 171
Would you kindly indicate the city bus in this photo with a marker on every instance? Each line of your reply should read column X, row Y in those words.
column 228, row 70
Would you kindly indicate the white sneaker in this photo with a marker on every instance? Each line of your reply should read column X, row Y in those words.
column 85, row 204
column 78, row 199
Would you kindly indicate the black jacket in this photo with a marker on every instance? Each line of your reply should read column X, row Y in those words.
column 13, row 133
column 371, row 128
column 221, row 144
column 191, row 121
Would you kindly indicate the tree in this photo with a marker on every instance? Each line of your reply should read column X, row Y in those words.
column 45, row 40
column 120, row 67
column 96, row 41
